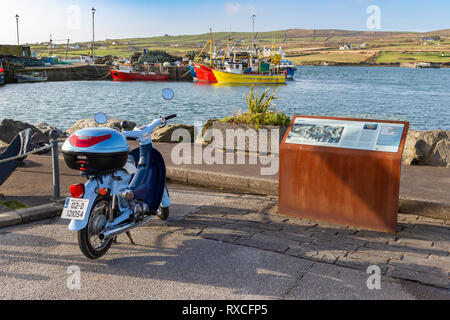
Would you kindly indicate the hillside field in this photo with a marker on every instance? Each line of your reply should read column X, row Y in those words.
column 301, row 45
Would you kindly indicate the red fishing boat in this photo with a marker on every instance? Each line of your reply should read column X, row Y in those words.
column 204, row 72
column 203, row 69
column 127, row 72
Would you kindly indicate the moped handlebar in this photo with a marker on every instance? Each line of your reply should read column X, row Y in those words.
column 170, row 117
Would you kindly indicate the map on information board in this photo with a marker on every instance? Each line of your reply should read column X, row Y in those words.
column 363, row 135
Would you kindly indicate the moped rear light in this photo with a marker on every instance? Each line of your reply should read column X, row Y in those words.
column 77, row 190
column 86, row 142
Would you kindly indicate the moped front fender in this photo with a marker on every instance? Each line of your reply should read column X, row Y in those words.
column 165, row 201
column 89, row 193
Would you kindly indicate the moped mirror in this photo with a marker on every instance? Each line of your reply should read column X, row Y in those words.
column 100, row 118
column 168, row 94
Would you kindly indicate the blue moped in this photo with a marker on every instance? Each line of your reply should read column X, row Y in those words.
column 124, row 189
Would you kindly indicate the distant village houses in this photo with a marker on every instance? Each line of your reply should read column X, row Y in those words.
column 345, row 46
column 430, row 38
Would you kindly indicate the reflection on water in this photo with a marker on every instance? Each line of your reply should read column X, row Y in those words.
column 420, row 96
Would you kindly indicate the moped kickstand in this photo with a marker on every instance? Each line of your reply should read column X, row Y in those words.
column 128, row 233
column 130, row 237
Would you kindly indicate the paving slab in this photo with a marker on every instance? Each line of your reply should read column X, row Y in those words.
column 337, row 283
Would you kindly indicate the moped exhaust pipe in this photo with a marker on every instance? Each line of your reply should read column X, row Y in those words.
column 115, row 232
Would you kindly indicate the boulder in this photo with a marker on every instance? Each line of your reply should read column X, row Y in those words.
column 202, row 138
column 428, row 148
column 46, row 128
column 164, row 134
column 244, row 133
column 10, row 128
column 89, row 123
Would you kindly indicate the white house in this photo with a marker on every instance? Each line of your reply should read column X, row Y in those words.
column 345, row 46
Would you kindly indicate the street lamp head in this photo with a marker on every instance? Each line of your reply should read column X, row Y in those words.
column 253, row 16
column 17, row 17
column 93, row 10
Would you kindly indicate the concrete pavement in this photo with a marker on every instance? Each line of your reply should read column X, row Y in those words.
column 229, row 246
column 423, row 190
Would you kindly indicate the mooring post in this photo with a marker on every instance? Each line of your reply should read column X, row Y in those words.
column 54, row 142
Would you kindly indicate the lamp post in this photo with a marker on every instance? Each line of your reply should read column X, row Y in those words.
column 17, row 25
column 253, row 31
column 93, row 34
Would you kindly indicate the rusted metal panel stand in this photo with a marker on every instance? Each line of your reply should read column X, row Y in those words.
column 341, row 185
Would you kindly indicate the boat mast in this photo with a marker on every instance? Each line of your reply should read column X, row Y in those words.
column 226, row 50
column 210, row 47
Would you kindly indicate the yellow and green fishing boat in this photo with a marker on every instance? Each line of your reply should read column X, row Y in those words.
column 229, row 77
column 233, row 72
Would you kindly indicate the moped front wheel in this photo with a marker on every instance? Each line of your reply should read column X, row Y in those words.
column 92, row 245
column 163, row 212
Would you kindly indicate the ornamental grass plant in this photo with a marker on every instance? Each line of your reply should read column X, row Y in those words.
column 260, row 111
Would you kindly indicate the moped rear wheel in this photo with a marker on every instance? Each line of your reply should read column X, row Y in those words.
column 92, row 245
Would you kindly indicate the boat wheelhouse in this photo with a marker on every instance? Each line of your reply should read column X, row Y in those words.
column 289, row 68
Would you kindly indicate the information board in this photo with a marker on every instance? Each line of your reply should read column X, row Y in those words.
column 362, row 135
column 342, row 170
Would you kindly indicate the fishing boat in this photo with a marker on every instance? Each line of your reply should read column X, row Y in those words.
column 241, row 73
column 246, row 69
column 128, row 72
column 203, row 67
column 289, row 69
column 204, row 72
column 37, row 76
column 2, row 74
column 192, row 71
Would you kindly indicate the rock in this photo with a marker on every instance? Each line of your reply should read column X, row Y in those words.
column 164, row 134
column 246, row 137
column 46, row 128
column 89, row 123
column 10, row 128
column 441, row 153
column 202, row 138
column 428, row 148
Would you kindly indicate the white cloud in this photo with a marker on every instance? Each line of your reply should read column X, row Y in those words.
column 233, row 7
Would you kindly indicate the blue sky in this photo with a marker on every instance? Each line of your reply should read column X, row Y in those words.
column 142, row 18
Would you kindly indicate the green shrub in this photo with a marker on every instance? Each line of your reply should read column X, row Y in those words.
column 259, row 111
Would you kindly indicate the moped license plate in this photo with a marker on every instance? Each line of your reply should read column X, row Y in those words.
column 75, row 209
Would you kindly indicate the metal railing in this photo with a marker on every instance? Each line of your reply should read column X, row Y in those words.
column 55, row 165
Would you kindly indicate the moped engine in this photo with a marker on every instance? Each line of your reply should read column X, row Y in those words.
column 139, row 208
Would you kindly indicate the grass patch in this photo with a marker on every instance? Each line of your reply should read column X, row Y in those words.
column 397, row 57
column 13, row 205
column 334, row 57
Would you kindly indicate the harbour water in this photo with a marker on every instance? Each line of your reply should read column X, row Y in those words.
column 420, row 96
